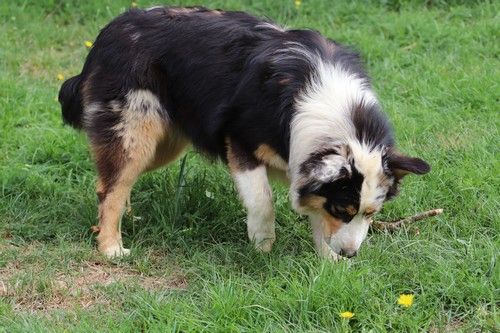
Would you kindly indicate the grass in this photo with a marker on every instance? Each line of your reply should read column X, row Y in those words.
column 435, row 67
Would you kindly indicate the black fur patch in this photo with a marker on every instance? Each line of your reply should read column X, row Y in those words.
column 339, row 194
column 216, row 74
column 372, row 125
column 240, row 159
column 401, row 165
column 349, row 60
column 71, row 101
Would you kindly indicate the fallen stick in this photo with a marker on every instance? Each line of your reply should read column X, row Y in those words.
column 395, row 225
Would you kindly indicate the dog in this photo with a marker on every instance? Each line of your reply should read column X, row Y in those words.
column 261, row 98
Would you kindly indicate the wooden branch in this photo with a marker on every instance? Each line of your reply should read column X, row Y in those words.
column 395, row 225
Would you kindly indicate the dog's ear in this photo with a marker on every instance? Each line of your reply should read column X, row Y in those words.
column 328, row 165
column 401, row 165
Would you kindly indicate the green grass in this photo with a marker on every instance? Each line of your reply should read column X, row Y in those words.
column 435, row 67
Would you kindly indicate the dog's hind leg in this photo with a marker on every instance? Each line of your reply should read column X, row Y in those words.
column 253, row 186
column 136, row 138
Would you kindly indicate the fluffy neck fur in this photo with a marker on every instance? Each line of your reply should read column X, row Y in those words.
column 324, row 118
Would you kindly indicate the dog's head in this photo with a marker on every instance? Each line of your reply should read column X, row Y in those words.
column 347, row 185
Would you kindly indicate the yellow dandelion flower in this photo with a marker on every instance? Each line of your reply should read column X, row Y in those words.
column 133, row 4
column 88, row 44
column 298, row 3
column 346, row 315
column 60, row 77
column 406, row 300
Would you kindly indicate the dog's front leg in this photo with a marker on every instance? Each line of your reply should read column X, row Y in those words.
column 322, row 248
column 255, row 192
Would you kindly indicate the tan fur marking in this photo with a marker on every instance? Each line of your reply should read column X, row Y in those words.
column 168, row 149
column 238, row 159
column 144, row 142
column 314, row 202
column 232, row 160
column 140, row 140
column 269, row 156
column 370, row 210
column 110, row 213
column 330, row 225
column 351, row 210
column 112, row 207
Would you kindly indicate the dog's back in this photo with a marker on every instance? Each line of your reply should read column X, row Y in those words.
column 204, row 66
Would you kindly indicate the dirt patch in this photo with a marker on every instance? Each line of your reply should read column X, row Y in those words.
column 81, row 285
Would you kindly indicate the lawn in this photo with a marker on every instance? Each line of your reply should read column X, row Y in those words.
column 435, row 67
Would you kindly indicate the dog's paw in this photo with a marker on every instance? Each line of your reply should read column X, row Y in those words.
column 262, row 235
column 265, row 244
column 327, row 253
column 334, row 257
column 115, row 251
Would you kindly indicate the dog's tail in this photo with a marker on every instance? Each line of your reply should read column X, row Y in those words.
column 70, row 99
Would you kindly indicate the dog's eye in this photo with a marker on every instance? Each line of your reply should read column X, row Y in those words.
column 339, row 209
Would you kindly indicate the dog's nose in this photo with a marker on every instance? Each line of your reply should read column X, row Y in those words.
column 348, row 253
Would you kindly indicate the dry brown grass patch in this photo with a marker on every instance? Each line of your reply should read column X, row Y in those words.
column 35, row 287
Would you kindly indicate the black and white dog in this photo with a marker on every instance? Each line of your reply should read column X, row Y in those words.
column 242, row 89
